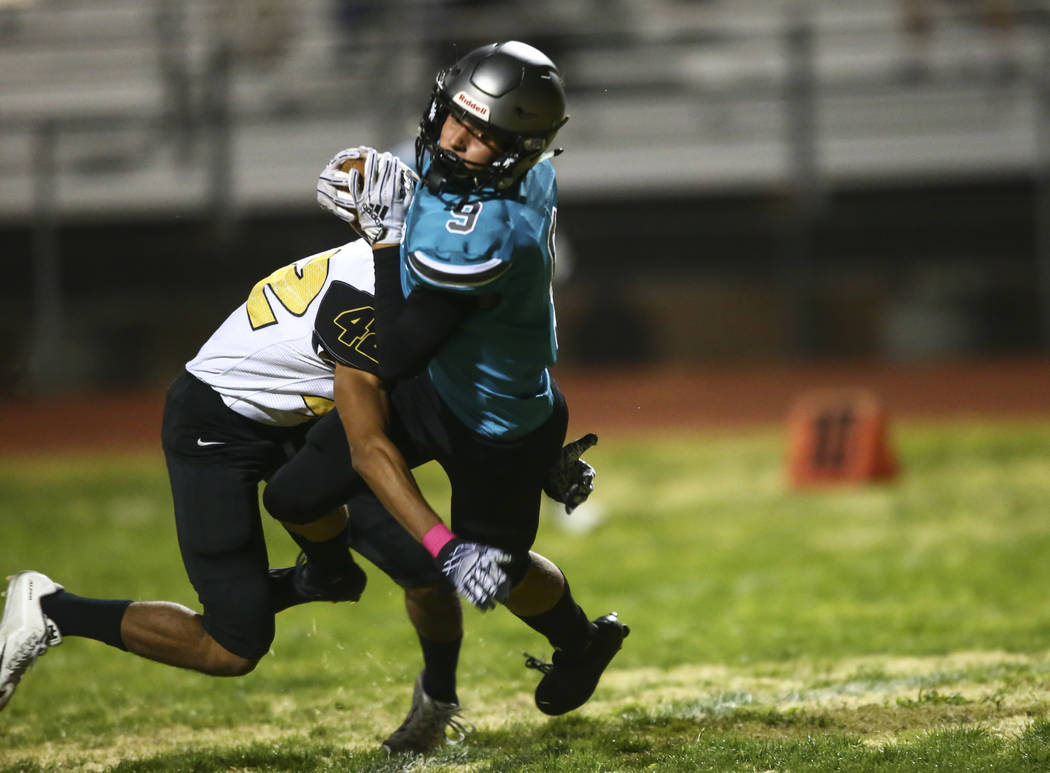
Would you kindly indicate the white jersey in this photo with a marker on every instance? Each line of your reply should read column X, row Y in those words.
column 273, row 359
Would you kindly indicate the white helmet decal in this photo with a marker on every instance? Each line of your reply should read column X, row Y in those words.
column 471, row 105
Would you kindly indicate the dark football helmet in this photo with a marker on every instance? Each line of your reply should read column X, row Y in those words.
column 512, row 93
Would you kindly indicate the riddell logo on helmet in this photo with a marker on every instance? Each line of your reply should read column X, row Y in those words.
column 479, row 109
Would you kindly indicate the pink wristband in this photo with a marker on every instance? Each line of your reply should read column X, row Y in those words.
column 437, row 538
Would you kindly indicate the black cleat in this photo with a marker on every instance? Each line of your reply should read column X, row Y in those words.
column 570, row 680
column 303, row 583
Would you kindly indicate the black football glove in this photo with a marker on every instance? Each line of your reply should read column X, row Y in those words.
column 571, row 480
column 476, row 571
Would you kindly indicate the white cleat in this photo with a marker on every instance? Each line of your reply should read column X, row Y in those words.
column 427, row 725
column 25, row 633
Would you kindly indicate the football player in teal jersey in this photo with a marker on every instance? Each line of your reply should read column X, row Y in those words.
column 464, row 261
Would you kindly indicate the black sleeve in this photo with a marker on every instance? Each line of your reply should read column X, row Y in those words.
column 412, row 330
column 344, row 328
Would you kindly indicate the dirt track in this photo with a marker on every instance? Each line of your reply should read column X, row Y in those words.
column 610, row 401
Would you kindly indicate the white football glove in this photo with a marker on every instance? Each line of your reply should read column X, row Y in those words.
column 476, row 571
column 333, row 186
column 381, row 197
column 570, row 480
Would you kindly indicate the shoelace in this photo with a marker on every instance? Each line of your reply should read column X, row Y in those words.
column 462, row 727
column 539, row 665
column 560, row 658
column 52, row 636
column 30, row 651
column 436, row 721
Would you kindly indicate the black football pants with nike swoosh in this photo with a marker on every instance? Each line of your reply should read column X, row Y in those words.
column 216, row 459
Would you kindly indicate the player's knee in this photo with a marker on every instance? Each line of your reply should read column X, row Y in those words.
column 286, row 504
column 439, row 596
column 216, row 660
column 518, row 568
column 276, row 502
column 233, row 665
column 539, row 589
column 237, row 633
column 435, row 611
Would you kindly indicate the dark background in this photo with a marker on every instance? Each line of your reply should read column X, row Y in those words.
column 743, row 182
column 702, row 279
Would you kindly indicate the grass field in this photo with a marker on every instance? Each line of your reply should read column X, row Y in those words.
column 889, row 628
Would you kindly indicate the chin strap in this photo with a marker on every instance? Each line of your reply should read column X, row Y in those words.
column 434, row 179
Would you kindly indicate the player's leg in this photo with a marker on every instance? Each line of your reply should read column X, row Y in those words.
column 325, row 570
column 506, row 477
column 214, row 489
column 39, row 613
column 162, row 631
column 171, row 633
column 488, row 477
column 435, row 612
column 228, row 569
column 570, row 680
column 25, row 632
column 540, row 594
column 307, row 495
column 487, row 474
column 434, row 715
column 215, row 495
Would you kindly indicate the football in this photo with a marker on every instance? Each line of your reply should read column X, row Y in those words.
column 353, row 163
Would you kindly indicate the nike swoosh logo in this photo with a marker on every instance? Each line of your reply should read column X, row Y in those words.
column 203, row 443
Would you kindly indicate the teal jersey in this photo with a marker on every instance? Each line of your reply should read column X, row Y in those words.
column 493, row 372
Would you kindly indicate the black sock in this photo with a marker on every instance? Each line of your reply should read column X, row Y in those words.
column 439, row 674
column 97, row 619
column 331, row 557
column 565, row 625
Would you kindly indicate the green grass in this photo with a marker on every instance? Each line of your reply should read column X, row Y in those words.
column 900, row 627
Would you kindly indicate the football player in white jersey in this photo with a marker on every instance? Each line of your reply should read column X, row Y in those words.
column 245, row 403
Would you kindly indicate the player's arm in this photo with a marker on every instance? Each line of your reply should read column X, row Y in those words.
column 363, row 409
column 477, row 571
column 412, row 330
column 344, row 334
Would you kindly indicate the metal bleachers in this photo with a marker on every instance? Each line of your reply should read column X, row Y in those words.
column 137, row 105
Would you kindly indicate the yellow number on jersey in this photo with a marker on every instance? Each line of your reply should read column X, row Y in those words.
column 318, row 406
column 293, row 289
column 357, row 334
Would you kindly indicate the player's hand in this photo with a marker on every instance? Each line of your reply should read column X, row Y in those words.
column 381, row 197
column 333, row 186
column 476, row 571
column 571, row 480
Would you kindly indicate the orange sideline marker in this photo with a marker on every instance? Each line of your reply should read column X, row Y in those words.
column 838, row 437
